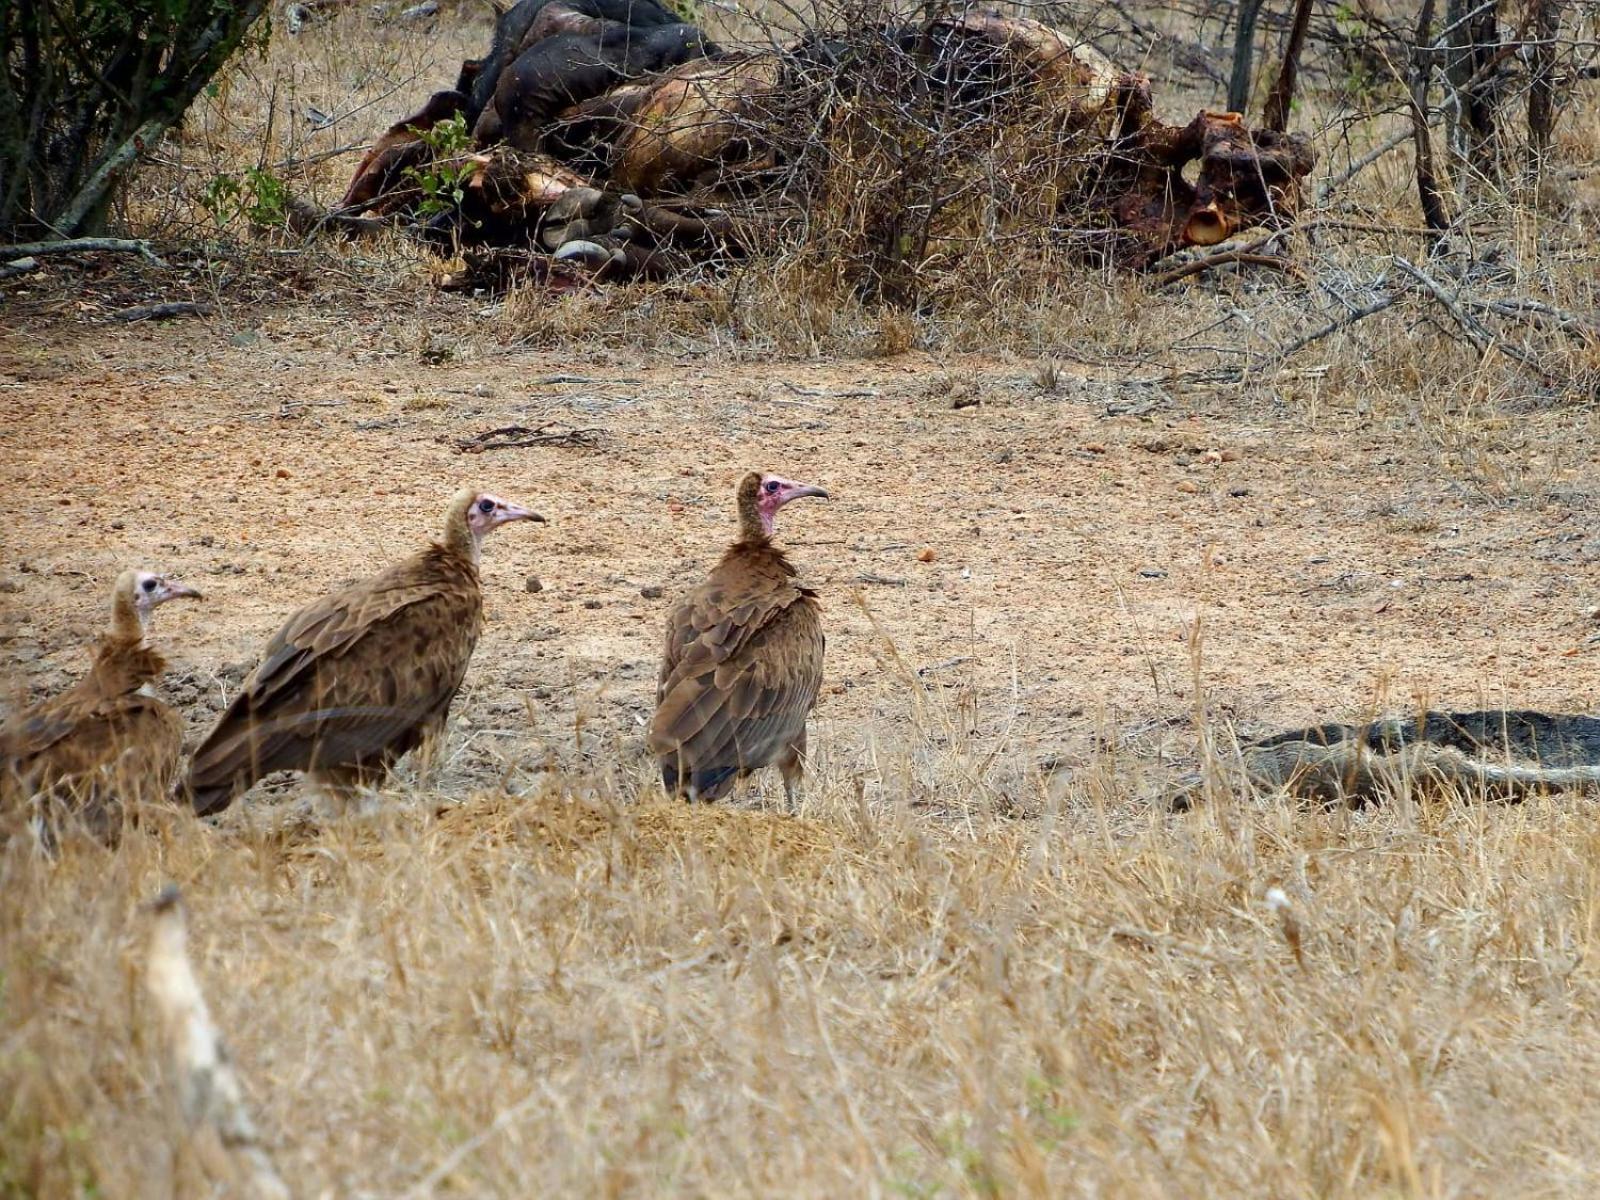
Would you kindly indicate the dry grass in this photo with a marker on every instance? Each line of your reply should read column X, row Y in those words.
column 572, row 993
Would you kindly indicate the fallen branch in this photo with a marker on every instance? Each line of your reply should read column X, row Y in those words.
column 86, row 245
column 164, row 311
column 510, row 437
column 1537, row 312
column 1350, row 318
column 20, row 266
column 1476, row 332
column 210, row 1096
column 1244, row 255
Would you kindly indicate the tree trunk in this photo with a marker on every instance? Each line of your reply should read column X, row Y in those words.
column 1434, row 214
column 1542, row 82
column 1243, row 52
column 1474, row 41
column 1275, row 113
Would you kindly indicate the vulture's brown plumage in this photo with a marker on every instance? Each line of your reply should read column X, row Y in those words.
column 106, row 744
column 743, row 660
column 355, row 680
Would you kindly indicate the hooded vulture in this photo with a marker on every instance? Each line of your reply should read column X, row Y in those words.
column 105, row 744
column 743, row 660
column 357, row 679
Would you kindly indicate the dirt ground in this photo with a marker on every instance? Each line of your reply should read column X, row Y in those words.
column 1038, row 558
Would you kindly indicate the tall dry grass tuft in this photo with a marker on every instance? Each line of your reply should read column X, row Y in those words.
column 589, row 990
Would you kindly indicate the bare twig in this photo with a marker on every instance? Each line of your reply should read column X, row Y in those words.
column 163, row 311
column 1538, row 312
column 1239, row 256
column 210, row 1096
column 1328, row 186
column 509, row 437
column 85, row 245
column 306, row 160
column 1343, row 322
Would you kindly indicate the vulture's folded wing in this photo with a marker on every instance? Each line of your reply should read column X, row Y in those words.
column 355, row 678
column 723, row 712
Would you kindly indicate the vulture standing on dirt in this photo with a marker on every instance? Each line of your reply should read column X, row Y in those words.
column 107, row 741
column 355, row 680
column 743, row 660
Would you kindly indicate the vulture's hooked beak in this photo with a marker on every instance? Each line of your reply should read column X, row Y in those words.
column 171, row 589
column 515, row 512
column 806, row 489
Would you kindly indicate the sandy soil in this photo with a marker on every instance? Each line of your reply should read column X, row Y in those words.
column 1071, row 536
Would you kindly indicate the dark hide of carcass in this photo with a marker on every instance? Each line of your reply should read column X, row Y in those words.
column 568, row 69
column 619, row 141
column 531, row 21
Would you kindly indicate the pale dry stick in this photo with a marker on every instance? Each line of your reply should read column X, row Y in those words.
column 210, row 1096
column 1328, row 186
column 1538, row 313
column 430, row 1183
column 1480, row 336
column 307, row 160
column 1348, row 319
column 1242, row 257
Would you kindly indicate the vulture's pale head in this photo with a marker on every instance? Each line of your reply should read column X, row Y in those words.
column 761, row 496
column 490, row 512
column 474, row 515
column 137, row 594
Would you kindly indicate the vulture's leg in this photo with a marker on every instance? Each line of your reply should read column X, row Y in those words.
column 428, row 753
column 793, row 766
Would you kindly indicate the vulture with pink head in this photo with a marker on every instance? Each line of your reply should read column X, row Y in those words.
column 743, row 660
column 357, row 679
column 107, row 743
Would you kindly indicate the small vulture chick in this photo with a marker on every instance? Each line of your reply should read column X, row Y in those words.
column 106, row 745
column 743, row 660
column 357, row 679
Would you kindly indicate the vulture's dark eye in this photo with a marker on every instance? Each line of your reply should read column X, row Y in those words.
column 149, row 585
column 772, row 485
column 486, row 505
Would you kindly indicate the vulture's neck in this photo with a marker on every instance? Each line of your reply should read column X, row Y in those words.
column 458, row 538
column 754, row 531
column 126, row 623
